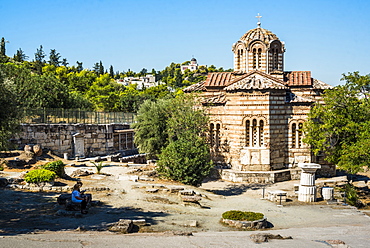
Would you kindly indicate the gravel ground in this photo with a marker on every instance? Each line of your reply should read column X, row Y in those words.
column 24, row 212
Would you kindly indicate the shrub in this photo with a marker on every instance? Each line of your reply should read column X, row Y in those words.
column 240, row 215
column 3, row 164
column 186, row 160
column 351, row 194
column 55, row 166
column 39, row 175
column 98, row 166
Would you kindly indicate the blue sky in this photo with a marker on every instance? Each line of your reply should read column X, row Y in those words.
column 326, row 37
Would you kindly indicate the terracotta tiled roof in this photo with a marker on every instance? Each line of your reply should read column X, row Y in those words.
column 298, row 78
column 195, row 87
column 218, row 79
column 255, row 80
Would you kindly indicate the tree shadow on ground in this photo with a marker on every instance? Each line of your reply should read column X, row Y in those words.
column 25, row 212
column 237, row 189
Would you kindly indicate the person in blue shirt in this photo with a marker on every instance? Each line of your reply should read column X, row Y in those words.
column 78, row 197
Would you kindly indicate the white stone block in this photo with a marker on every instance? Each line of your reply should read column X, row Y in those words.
column 327, row 193
column 307, row 193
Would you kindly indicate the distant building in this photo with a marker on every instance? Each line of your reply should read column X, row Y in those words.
column 142, row 82
column 192, row 66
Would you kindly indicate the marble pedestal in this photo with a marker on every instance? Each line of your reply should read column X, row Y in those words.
column 307, row 188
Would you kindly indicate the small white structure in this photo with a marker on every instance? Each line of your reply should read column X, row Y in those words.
column 142, row 82
column 79, row 145
column 328, row 193
column 307, row 188
column 277, row 196
column 192, row 66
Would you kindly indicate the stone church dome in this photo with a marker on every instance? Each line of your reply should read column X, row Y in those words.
column 259, row 33
column 259, row 49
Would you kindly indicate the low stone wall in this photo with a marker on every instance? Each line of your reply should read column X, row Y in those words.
column 256, row 224
column 87, row 139
column 256, row 176
column 295, row 174
column 60, row 189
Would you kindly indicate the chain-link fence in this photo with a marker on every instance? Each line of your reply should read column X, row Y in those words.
column 56, row 115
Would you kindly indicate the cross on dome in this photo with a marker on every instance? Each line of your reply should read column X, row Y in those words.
column 259, row 19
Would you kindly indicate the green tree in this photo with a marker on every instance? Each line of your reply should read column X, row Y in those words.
column 3, row 57
column 187, row 157
column 185, row 160
column 20, row 56
column 340, row 126
column 64, row 62
column 101, row 68
column 104, row 93
column 39, row 60
column 10, row 113
column 154, row 73
column 2, row 47
column 173, row 130
column 32, row 90
column 54, row 58
column 79, row 66
column 143, row 72
column 80, row 81
column 151, row 127
column 96, row 68
column 130, row 73
column 212, row 68
column 111, row 71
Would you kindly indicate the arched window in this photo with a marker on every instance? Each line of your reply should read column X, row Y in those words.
column 261, row 138
column 211, row 134
column 300, row 135
column 241, row 59
column 297, row 135
column 254, row 132
column 248, row 133
column 294, row 139
column 214, row 133
column 238, row 60
column 254, row 136
column 275, row 60
column 259, row 58
column 217, row 135
column 254, row 58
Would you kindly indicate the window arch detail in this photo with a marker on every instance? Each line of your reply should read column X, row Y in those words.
column 254, row 132
column 215, row 137
column 297, row 135
column 275, row 59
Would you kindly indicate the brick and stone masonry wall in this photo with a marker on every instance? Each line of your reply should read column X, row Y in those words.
column 98, row 139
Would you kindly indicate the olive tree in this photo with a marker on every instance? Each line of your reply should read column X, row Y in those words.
column 340, row 126
column 173, row 130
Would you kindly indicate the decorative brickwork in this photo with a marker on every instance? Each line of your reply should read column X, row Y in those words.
column 257, row 112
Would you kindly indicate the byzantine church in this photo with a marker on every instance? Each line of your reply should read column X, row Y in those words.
column 257, row 112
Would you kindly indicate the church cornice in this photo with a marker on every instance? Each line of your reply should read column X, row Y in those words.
column 255, row 80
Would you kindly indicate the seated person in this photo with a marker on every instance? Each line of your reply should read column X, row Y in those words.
column 78, row 197
column 82, row 192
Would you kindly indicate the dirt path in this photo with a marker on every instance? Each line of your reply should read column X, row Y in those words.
column 24, row 211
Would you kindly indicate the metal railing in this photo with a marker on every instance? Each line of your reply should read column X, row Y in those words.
column 70, row 116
